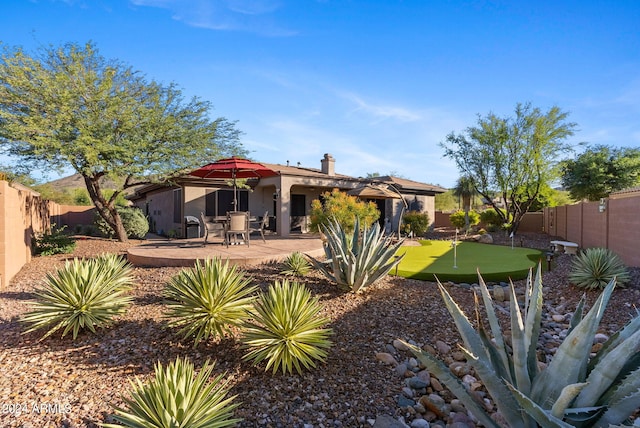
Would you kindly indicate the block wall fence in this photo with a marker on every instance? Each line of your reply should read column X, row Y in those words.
column 612, row 223
column 22, row 214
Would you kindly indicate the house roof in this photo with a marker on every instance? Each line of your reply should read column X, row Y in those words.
column 631, row 191
column 407, row 185
column 304, row 171
column 401, row 184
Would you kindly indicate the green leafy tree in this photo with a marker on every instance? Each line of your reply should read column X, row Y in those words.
column 344, row 209
column 600, row 170
column 513, row 156
column 71, row 107
column 446, row 201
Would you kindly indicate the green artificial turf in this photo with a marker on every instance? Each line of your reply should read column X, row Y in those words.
column 495, row 262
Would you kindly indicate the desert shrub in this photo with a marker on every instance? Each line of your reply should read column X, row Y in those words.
column 82, row 294
column 55, row 242
column 287, row 329
column 415, row 223
column 596, row 267
column 344, row 209
column 133, row 219
column 177, row 397
column 207, row 299
column 296, row 264
column 492, row 221
column 458, row 219
column 575, row 388
column 359, row 259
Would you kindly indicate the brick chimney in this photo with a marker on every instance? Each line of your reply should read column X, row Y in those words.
column 328, row 165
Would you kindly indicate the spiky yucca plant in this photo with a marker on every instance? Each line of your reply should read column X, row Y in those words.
column 208, row 298
column 287, row 331
column 359, row 259
column 573, row 390
column 176, row 397
column 296, row 264
column 83, row 294
column 596, row 267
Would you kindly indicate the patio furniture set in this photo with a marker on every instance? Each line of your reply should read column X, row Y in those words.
column 235, row 228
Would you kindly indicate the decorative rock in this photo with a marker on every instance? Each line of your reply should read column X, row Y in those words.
column 558, row 318
column 401, row 369
column 430, row 349
column 436, row 385
column 498, row 294
column 458, row 356
column 600, row 338
column 399, row 345
column 424, row 376
column 405, row 402
column 457, row 406
column 413, row 363
column 459, row 369
column 416, row 383
column 420, row 423
column 407, row 392
column 386, row 421
column 386, row 358
column 485, row 239
column 435, row 403
column 442, row 347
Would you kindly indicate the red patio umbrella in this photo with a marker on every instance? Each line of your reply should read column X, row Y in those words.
column 234, row 168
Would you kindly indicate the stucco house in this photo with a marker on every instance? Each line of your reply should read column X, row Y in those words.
column 286, row 198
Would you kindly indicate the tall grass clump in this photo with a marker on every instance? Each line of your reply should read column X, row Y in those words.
column 596, row 267
column 177, row 397
column 208, row 299
column 83, row 294
column 287, row 329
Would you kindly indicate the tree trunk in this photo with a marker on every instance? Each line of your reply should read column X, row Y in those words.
column 106, row 209
column 466, row 202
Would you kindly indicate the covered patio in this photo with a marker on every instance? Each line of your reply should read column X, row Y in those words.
column 161, row 252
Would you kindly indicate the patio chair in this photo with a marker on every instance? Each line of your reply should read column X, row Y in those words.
column 213, row 228
column 260, row 226
column 237, row 224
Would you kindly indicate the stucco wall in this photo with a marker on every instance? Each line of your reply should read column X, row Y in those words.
column 22, row 212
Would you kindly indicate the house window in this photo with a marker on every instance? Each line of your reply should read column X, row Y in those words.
column 210, row 204
column 225, row 201
column 177, row 205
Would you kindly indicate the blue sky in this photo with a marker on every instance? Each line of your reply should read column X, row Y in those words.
column 378, row 84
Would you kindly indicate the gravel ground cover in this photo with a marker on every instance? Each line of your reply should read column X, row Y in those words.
column 60, row 382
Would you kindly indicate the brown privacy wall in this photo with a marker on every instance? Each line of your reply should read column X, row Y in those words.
column 22, row 212
column 72, row 215
column 531, row 222
column 615, row 226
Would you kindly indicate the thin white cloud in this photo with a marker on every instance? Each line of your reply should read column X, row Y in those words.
column 253, row 16
column 382, row 111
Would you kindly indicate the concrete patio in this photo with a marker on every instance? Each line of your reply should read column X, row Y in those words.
column 184, row 252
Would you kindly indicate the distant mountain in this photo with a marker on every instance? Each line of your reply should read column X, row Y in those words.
column 76, row 181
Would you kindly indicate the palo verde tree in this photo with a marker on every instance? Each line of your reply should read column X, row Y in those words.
column 600, row 170
column 69, row 106
column 513, row 157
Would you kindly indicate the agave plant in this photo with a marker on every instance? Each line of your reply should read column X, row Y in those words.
column 176, row 397
column 208, row 299
column 83, row 294
column 287, row 331
column 596, row 267
column 296, row 264
column 573, row 390
column 356, row 261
